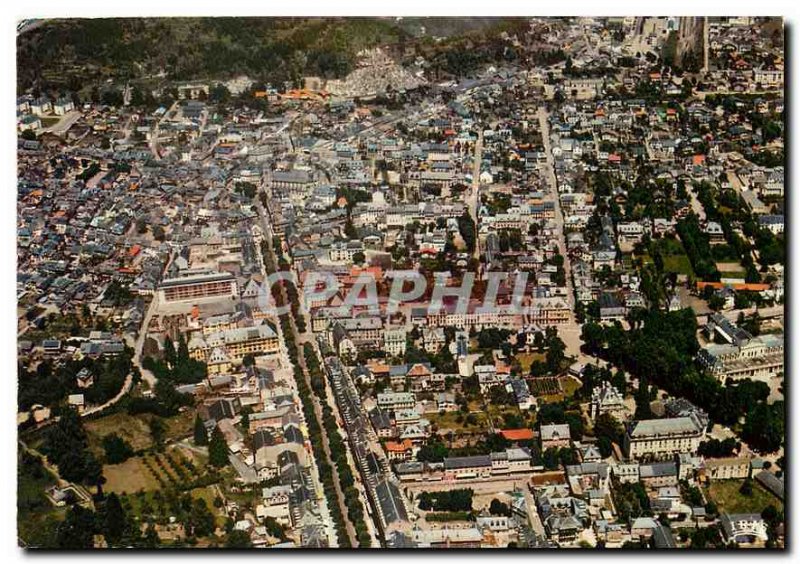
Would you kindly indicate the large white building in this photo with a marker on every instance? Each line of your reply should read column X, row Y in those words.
column 658, row 438
column 758, row 358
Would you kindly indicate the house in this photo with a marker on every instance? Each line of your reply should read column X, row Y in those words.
column 554, row 436
column 399, row 450
column 84, row 378
column 62, row 106
column 607, row 399
column 743, row 528
column 726, row 468
column 659, row 438
column 658, row 474
column 772, row 483
column 41, row 106
column 76, row 401
column 774, row 223
column 394, row 341
column 715, row 232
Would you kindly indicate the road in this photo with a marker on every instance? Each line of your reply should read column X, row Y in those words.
column 147, row 376
column 533, row 514
column 154, row 133
column 66, row 121
column 569, row 332
column 126, row 387
column 474, row 198
column 697, row 207
column 351, row 532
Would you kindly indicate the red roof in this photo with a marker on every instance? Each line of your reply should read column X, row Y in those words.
column 752, row 287
column 517, row 434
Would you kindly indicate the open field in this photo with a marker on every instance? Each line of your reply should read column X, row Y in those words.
column 133, row 429
column 526, row 359
column 546, row 389
column 128, row 477
column 731, row 270
column 457, row 421
column 725, row 494
column 151, row 472
column 678, row 263
column 570, row 384
column 180, row 426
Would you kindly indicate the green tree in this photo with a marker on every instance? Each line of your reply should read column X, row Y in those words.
column 150, row 538
column 217, row 449
column 238, row 539
column 764, row 426
column 157, row 430
column 200, row 433
column 77, row 530
column 113, row 523
column 169, row 351
column 117, row 450
column 201, row 520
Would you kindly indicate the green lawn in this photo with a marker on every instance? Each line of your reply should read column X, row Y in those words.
column 732, row 270
column 526, row 359
column 49, row 121
column 129, row 477
column 570, row 385
column 134, row 429
column 450, row 422
column 37, row 517
column 679, row 264
column 725, row 494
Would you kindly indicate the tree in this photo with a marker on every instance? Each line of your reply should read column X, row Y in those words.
column 608, row 431
column 217, row 449
column 201, row 520
column 113, row 521
column 764, row 426
column 77, row 530
column 497, row 507
column 246, row 418
column 150, row 538
column 66, row 446
column 170, row 356
column 238, row 539
column 200, row 433
column 116, row 448
column 157, row 430
column 643, row 401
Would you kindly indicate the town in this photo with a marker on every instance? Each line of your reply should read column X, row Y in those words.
column 519, row 287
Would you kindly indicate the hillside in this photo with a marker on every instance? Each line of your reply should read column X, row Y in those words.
column 70, row 53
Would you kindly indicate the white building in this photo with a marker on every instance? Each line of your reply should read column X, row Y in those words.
column 658, row 438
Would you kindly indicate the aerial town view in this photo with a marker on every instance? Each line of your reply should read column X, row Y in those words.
column 400, row 283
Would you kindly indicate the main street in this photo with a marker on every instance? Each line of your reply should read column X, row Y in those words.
column 473, row 199
column 569, row 332
column 268, row 234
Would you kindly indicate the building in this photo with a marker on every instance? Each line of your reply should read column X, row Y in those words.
column 757, row 358
column 235, row 343
column 726, row 468
column 396, row 400
column 345, row 251
column 743, row 528
column 198, row 286
column 658, row 438
column 394, row 342
column 607, row 399
column 554, row 436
